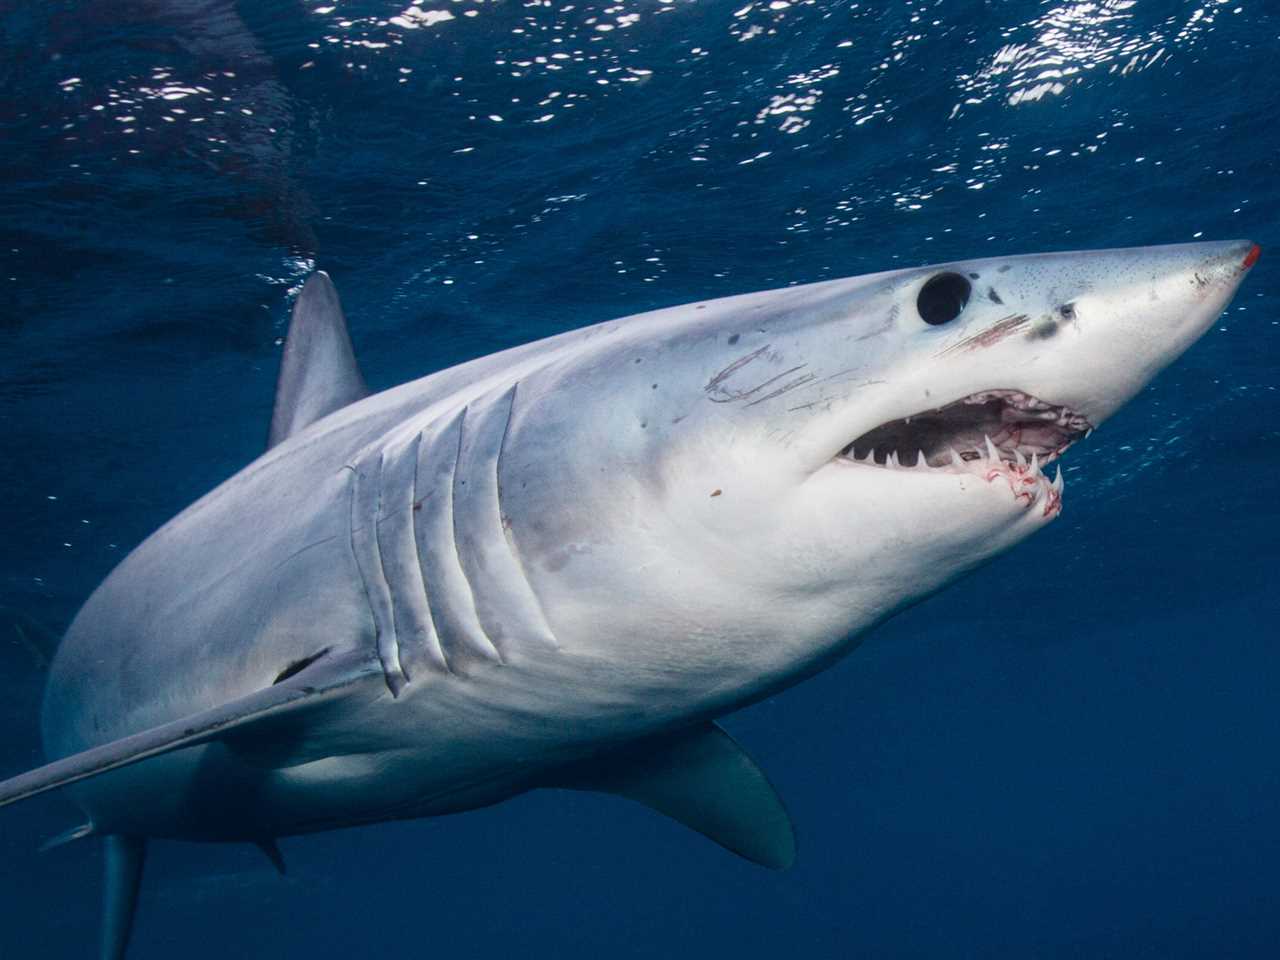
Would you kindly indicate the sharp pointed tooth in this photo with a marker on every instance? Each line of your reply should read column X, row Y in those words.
column 992, row 452
column 921, row 462
column 1035, row 464
column 1017, row 455
column 956, row 459
column 1057, row 480
column 1088, row 433
column 892, row 462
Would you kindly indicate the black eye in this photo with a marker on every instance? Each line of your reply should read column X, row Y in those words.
column 942, row 298
column 1068, row 311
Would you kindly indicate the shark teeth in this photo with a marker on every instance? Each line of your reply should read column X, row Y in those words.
column 992, row 425
column 1013, row 453
column 1020, row 435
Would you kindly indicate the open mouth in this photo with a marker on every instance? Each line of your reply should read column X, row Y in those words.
column 996, row 434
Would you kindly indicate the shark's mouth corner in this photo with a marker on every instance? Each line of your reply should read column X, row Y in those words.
column 995, row 434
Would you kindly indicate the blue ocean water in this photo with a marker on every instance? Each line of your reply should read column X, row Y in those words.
column 1070, row 753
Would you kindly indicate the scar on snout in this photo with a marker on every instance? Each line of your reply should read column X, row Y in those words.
column 1043, row 330
column 734, row 339
column 992, row 335
column 716, row 492
column 993, row 296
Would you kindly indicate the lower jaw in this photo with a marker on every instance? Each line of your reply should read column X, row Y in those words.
column 1029, row 488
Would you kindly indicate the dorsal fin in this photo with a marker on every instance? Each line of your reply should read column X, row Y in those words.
column 703, row 779
column 318, row 372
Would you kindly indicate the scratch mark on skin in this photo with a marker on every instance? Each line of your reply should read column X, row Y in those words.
column 839, row 373
column 811, row 404
column 787, row 387
column 883, row 328
column 991, row 336
column 728, row 396
column 301, row 550
column 714, row 383
column 718, row 392
column 858, row 385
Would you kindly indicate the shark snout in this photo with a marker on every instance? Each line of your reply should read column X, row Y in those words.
column 1251, row 257
column 1186, row 303
column 1138, row 310
column 1229, row 262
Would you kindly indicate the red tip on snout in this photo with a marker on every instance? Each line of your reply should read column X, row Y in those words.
column 1252, row 256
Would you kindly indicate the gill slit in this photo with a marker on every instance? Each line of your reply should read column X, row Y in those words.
column 430, row 634
column 457, row 549
column 376, row 589
column 507, row 536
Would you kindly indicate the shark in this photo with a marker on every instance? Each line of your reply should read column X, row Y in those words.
column 558, row 566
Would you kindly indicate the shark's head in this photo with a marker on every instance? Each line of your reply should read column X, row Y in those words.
column 763, row 477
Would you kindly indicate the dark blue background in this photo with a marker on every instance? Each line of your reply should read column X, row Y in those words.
column 1071, row 753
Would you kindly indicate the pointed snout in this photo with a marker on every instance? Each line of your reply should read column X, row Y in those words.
column 1141, row 308
column 1229, row 260
column 1195, row 282
column 1197, row 264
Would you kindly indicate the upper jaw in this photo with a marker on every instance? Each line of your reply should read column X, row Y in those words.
column 1016, row 425
column 999, row 435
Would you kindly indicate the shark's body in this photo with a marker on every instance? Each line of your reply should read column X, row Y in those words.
column 557, row 565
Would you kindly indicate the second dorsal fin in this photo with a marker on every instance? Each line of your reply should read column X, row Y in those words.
column 318, row 373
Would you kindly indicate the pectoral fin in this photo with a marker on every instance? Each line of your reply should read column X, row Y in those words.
column 318, row 373
column 320, row 682
column 703, row 779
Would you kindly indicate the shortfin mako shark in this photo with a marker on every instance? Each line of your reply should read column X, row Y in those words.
column 556, row 566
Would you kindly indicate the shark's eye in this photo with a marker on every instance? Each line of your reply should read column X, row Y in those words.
column 942, row 298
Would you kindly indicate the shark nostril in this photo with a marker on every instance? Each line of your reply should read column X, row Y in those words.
column 1251, row 257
